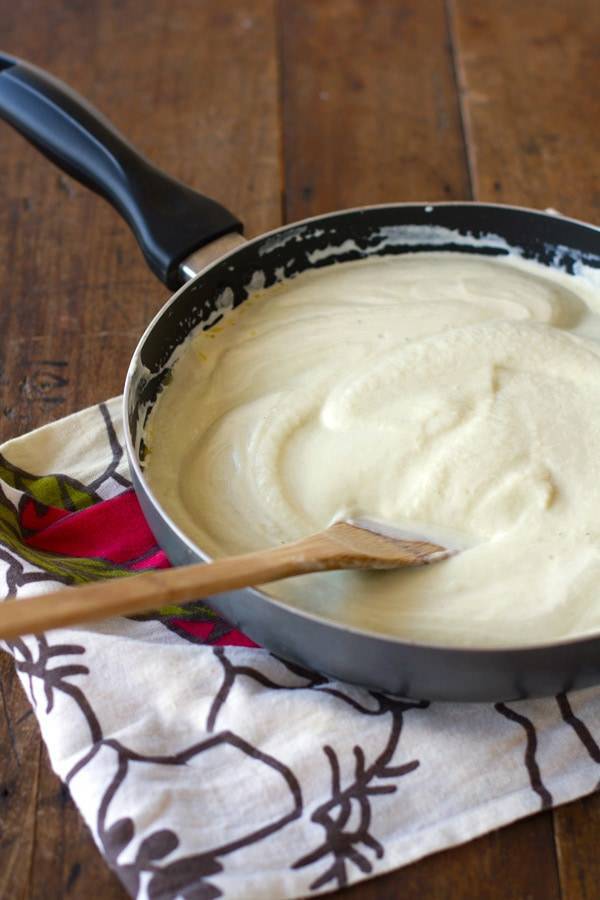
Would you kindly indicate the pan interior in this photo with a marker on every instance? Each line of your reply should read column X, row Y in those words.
column 323, row 243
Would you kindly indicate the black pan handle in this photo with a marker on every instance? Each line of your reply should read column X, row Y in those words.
column 168, row 219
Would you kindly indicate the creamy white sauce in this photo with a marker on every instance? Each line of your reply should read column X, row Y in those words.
column 441, row 390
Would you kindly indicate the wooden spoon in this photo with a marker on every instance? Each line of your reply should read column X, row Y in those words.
column 346, row 545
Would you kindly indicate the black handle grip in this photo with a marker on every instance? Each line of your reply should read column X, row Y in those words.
column 168, row 219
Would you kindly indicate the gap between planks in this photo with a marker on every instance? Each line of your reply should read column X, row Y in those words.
column 460, row 82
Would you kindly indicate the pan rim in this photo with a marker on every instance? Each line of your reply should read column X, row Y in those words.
column 497, row 650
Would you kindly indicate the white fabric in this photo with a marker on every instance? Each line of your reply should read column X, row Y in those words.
column 209, row 771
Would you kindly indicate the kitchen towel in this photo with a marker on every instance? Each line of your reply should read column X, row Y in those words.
column 207, row 767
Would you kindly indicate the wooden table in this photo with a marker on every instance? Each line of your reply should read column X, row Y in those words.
column 280, row 110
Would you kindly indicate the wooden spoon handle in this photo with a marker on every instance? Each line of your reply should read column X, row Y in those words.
column 341, row 546
column 159, row 587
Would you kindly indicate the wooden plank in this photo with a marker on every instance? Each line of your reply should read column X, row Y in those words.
column 576, row 830
column 483, row 869
column 370, row 110
column 530, row 75
column 19, row 773
column 64, row 848
column 71, row 271
column 195, row 86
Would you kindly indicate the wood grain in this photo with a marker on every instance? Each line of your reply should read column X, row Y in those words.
column 529, row 76
column 493, row 867
column 370, row 111
column 64, row 848
column 19, row 776
column 576, row 830
column 76, row 293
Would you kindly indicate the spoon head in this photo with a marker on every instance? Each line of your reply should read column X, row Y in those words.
column 377, row 545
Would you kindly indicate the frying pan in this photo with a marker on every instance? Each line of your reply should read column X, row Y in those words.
column 194, row 244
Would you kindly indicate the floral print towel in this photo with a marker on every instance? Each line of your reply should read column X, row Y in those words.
column 207, row 767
